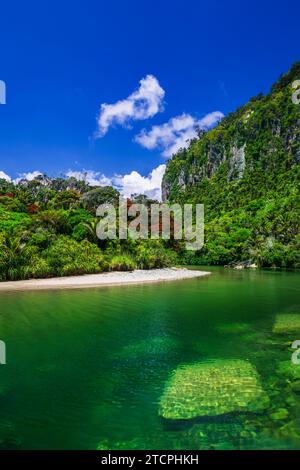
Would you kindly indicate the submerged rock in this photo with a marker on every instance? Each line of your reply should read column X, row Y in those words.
column 288, row 370
column 280, row 415
column 290, row 431
column 211, row 389
column 287, row 323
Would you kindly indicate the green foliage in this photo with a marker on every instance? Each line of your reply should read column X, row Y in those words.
column 152, row 254
column 9, row 221
column 94, row 198
column 48, row 228
column 56, row 220
column 66, row 199
column 254, row 216
column 68, row 257
column 122, row 263
column 15, row 255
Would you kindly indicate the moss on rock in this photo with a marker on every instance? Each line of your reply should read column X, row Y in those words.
column 212, row 388
column 288, row 370
column 287, row 323
column 280, row 415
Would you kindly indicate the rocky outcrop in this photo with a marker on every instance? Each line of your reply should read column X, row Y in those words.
column 287, row 323
column 262, row 135
column 215, row 157
column 211, row 389
column 237, row 163
column 166, row 189
column 241, row 264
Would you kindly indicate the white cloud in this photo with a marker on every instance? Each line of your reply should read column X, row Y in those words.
column 176, row 133
column 22, row 176
column 30, row 176
column 94, row 178
column 210, row 120
column 135, row 183
column 141, row 104
column 4, row 176
column 131, row 183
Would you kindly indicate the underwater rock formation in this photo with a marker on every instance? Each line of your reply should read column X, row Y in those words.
column 287, row 323
column 212, row 388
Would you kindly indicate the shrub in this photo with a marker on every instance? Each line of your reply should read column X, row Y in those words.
column 68, row 257
column 38, row 268
column 122, row 263
column 152, row 254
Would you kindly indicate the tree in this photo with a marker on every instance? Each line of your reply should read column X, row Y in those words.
column 94, row 198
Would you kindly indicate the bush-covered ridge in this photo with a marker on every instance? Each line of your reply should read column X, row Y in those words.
column 246, row 172
column 48, row 228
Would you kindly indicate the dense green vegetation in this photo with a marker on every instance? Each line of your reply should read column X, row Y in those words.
column 246, row 173
column 48, row 228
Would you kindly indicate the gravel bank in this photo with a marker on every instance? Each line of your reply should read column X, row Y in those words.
column 104, row 279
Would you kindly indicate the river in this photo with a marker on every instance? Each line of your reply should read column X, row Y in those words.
column 86, row 369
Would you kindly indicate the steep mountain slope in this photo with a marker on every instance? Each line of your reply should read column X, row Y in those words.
column 246, row 172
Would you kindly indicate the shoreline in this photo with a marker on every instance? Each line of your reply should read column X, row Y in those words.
column 115, row 278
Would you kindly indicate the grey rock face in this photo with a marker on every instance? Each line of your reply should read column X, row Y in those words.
column 181, row 180
column 215, row 158
column 237, row 163
column 165, row 189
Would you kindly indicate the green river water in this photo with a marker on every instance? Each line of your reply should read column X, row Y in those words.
column 86, row 368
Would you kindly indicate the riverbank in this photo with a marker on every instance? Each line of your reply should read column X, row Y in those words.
column 116, row 278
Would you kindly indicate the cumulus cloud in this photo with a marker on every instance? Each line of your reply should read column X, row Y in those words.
column 176, row 133
column 135, row 183
column 94, row 178
column 141, row 104
column 128, row 184
column 30, row 176
column 210, row 120
column 4, row 176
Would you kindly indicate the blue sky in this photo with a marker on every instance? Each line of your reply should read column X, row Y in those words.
column 61, row 60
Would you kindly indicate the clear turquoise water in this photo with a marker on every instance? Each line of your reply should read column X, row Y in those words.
column 86, row 368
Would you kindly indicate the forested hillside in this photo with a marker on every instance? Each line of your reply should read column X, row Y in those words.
column 48, row 228
column 246, row 172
